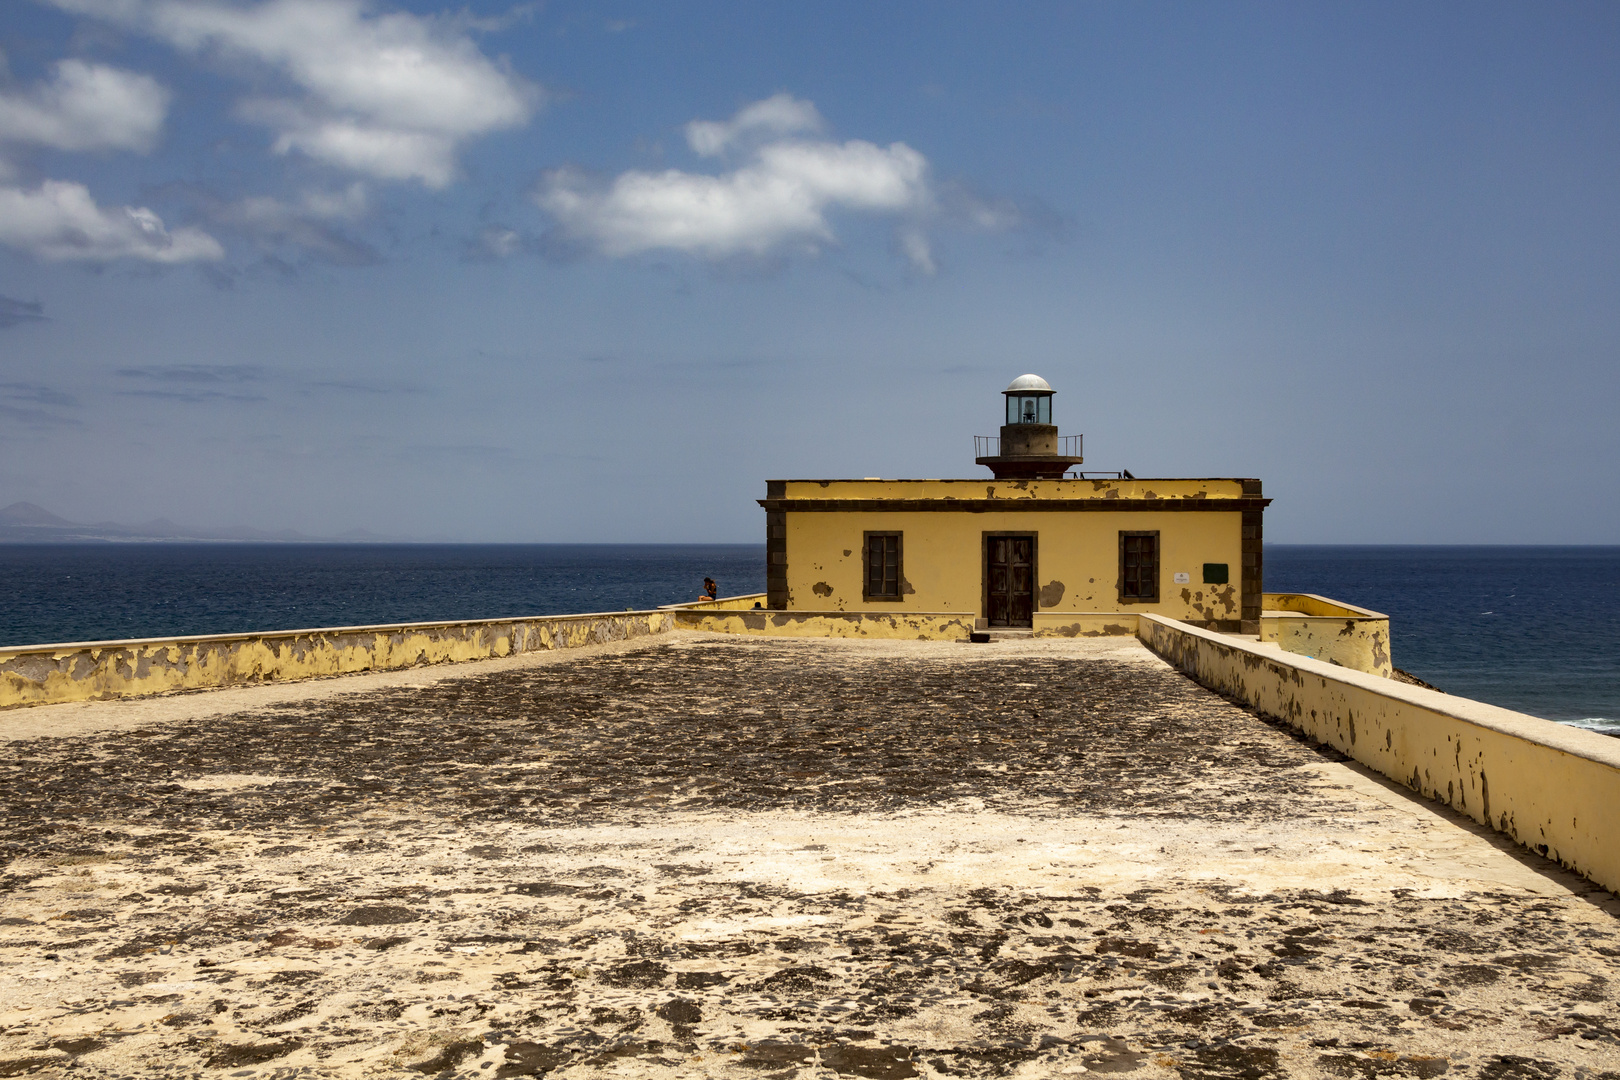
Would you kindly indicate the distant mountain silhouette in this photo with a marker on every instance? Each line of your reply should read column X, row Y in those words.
column 26, row 513
column 27, row 523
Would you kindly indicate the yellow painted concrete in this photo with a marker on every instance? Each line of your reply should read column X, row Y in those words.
column 1329, row 630
column 94, row 671
column 1312, row 604
column 1176, row 488
column 913, row 625
column 1551, row 787
column 1085, row 624
column 1077, row 560
column 919, row 625
column 724, row 603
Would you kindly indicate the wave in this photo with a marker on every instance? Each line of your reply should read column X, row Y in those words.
column 1596, row 723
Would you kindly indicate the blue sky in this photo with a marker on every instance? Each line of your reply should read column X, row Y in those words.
column 574, row 271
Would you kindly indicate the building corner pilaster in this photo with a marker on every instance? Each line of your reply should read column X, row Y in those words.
column 1252, row 586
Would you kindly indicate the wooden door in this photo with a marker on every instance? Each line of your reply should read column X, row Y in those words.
column 1010, row 580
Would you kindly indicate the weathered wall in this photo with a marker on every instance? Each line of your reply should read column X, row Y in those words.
column 1085, row 624
column 1328, row 630
column 1312, row 604
column 48, row 674
column 1077, row 560
column 1146, row 488
column 1553, row 788
column 724, row 603
column 920, row 625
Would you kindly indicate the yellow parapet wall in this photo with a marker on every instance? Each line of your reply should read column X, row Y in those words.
column 1551, row 787
column 1085, row 624
column 1342, row 634
column 48, row 674
column 917, row 625
column 734, row 617
column 746, row 602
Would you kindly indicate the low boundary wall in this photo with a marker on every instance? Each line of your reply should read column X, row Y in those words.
column 745, row 602
column 916, row 625
column 1084, row 624
column 1551, row 787
column 93, row 671
column 1331, row 630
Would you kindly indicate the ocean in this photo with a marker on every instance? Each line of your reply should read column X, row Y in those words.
column 1535, row 629
column 92, row 592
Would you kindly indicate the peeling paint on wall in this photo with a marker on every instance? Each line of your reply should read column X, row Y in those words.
column 1084, row 624
column 115, row 669
column 1328, row 630
column 1552, row 788
column 912, row 625
column 943, row 565
column 725, row 603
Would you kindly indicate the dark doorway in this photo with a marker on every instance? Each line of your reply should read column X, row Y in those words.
column 1009, row 578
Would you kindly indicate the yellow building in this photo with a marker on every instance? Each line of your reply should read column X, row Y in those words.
column 1037, row 546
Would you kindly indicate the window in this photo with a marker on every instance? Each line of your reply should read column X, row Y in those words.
column 882, row 566
column 1029, row 408
column 1138, row 565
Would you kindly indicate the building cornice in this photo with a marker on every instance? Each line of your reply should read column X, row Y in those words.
column 1012, row 506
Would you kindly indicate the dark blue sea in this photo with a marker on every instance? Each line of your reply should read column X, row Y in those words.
column 95, row 592
column 1531, row 628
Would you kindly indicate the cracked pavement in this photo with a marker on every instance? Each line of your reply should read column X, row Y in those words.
column 704, row 855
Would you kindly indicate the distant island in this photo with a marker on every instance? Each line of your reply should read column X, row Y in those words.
column 27, row 523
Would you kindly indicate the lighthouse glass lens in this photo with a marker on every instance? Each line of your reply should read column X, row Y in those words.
column 1029, row 409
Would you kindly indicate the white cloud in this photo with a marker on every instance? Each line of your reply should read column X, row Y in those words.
column 387, row 153
column 274, row 214
column 914, row 244
column 781, row 195
column 61, row 221
column 780, row 115
column 87, row 107
column 307, row 223
column 391, row 96
column 350, row 204
column 499, row 242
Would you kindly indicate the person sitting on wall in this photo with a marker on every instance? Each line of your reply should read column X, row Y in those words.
column 710, row 588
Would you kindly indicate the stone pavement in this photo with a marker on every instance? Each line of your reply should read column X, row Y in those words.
column 718, row 856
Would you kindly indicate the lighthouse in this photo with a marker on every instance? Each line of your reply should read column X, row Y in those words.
column 1029, row 446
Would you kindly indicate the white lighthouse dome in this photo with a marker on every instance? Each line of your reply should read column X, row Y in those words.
column 1026, row 384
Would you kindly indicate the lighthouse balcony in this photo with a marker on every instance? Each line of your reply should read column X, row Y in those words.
column 1034, row 452
column 1068, row 446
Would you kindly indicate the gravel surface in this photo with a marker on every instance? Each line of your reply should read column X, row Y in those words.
column 722, row 856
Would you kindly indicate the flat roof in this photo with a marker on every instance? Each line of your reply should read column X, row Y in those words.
column 717, row 854
column 992, row 480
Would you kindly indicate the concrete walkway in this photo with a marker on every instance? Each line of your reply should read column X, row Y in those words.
column 719, row 856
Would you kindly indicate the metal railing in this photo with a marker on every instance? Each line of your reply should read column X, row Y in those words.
column 990, row 446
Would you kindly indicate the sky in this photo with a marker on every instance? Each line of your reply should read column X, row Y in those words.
column 596, row 271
